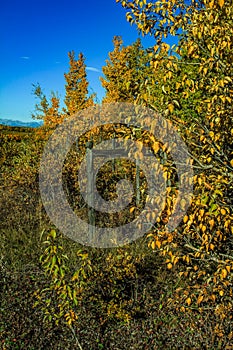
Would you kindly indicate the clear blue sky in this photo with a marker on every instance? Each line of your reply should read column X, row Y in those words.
column 36, row 36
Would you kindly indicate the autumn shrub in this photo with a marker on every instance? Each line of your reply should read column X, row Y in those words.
column 193, row 88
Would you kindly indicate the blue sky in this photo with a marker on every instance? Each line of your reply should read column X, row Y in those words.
column 36, row 37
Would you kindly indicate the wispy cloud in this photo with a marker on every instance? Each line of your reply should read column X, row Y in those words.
column 25, row 57
column 93, row 69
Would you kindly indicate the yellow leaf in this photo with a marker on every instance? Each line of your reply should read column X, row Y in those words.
column 199, row 300
column 202, row 137
column 228, row 268
column 221, row 293
column 203, row 228
column 153, row 245
column 211, row 4
column 171, row 107
column 212, row 150
column 188, row 301
column 231, row 162
column 131, row 209
column 169, row 266
column 199, row 181
column 156, row 147
column 202, row 212
column 53, row 233
column 211, row 223
column 221, row 3
column 190, row 50
column 211, row 134
column 155, row 64
column 224, row 273
column 150, row 235
column 213, row 297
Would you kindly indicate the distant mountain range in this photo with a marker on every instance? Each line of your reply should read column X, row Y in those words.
column 10, row 122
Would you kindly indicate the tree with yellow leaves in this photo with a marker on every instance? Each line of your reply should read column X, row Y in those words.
column 76, row 97
column 77, row 85
column 194, row 89
column 124, row 71
column 47, row 110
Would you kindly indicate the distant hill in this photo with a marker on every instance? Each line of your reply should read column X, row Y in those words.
column 10, row 122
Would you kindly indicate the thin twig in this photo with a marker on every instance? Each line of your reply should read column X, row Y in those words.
column 75, row 337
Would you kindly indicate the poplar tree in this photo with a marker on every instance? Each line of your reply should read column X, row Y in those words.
column 124, row 72
column 47, row 110
column 76, row 87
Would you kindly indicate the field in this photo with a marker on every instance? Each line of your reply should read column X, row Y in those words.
column 122, row 298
